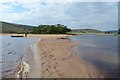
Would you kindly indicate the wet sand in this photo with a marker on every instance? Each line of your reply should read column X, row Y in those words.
column 34, row 62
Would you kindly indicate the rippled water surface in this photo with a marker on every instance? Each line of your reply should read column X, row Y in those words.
column 100, row 51
column 13, row 49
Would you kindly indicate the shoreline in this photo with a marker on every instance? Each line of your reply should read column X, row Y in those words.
column 35, row 63
column 57, row 59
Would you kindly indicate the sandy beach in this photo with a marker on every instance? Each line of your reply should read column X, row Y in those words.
column 59, row 60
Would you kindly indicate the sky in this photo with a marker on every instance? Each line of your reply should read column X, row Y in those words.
column 76, row 14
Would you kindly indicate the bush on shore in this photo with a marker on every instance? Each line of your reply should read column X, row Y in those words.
column 51, row 29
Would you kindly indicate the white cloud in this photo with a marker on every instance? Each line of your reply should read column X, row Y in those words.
column 5, row 8
column 73, row 14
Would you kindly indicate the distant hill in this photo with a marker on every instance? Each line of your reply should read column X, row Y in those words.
column 15, row 28
column 86, row 31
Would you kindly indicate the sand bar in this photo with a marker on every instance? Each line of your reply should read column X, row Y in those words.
column 58, row 60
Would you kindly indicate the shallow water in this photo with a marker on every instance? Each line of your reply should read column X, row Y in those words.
column 100, row 51
column 13, row 50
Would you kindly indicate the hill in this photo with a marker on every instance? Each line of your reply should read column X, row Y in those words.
column 15, row 28
column 86, row 31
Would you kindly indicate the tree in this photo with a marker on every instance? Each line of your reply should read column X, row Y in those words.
column 51, row 29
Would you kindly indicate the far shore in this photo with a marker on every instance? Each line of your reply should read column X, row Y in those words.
column 56, row 35
column 39, row 35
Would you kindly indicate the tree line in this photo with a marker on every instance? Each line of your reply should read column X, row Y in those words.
column 51, row 29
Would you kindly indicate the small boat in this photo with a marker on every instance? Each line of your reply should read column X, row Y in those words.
column 16, row 36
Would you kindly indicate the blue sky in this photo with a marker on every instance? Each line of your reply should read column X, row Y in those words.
column 95, row 15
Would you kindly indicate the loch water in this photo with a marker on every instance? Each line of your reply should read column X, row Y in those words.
column 13, row 50
column 100, row 51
